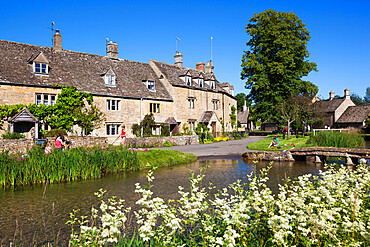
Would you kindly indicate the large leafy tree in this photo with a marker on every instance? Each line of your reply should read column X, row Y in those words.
column 367, row 96
column 276, row 61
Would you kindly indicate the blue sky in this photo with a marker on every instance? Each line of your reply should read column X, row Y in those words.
column 340, row 33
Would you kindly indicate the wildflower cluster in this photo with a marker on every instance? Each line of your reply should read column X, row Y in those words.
column 331, row 209
column 103, row 228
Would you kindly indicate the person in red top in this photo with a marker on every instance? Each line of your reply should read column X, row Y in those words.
column 123, row 135
column 58, row 142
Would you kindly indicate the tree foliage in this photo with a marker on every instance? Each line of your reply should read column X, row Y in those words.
column 276, row 61
column 357, row 99
column 145, row 125
column 88, row 118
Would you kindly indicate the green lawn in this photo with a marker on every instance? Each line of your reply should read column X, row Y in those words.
column 284, row 144
column 162, row 157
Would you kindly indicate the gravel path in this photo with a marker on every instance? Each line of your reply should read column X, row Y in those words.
column 228, row 148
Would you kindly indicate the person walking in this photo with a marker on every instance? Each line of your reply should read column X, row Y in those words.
column 123, row 135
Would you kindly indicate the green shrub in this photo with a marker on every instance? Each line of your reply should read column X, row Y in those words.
column 167, row 144
column 337, row 139
column 55, row 132
column 209, row 136
column 14, row 135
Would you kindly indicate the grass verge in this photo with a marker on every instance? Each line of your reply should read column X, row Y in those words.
column 163, row 158
column 262, row 145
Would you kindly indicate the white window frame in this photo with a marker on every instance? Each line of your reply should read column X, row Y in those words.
column 188, row 80
column 113, row 105
column 112, row 129
column 39, row 69
column 110, row 80
column 201, row 83
column 151, row 85
column 154, row 108
column 212, row 84
column 192, row 126
column 191, row 103
column 156, row 130
column 45, row 99
column 214, row 104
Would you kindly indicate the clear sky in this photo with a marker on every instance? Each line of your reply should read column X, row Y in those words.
column 144, row 30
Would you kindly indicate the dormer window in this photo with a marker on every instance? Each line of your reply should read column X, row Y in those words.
column 201, row 82
column 212, row 84
column 151, row 85
column 110, row 80
column 188, row 80
column 40, row 68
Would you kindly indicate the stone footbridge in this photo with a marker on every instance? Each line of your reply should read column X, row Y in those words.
column 314, row 154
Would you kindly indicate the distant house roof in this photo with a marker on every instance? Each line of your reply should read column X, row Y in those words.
column 242, row 117
column 173, row 73
column 355, row 114
column 84, row 71
column 330, row 105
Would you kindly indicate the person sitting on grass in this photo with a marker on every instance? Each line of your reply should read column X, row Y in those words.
column 275, row 142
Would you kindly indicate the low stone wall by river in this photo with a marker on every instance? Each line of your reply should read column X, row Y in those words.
column 159, row 141
column 21, row 145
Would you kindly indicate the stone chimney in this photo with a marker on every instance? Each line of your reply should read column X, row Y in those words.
column 245, row 106
column 331, row 95
column 209, row 67
column 112, row 50
column 57, row 41
column 201, row 66
column 178, row 59
column 346, row 94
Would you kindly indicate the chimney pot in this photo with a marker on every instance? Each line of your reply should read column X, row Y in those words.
column 209, row 67
column 347, row 94
column 178, row 59
column 331, row 95
column 201, row 66
column 57, row 41
column 112, row 50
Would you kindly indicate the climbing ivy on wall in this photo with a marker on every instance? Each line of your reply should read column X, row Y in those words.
column 62, row 115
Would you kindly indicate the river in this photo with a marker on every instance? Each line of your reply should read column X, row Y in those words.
column 35, row 215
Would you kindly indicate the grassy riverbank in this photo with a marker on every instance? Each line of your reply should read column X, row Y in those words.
column 80, row 164
column 283, row 143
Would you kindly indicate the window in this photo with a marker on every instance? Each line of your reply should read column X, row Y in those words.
column 212, row 85
column 110, row 80
column 156, row 130
column 188, row 80
column 191, row 103
column 40, row 68
column 192, row 126
column 113, row 105
column 201, row 83
column 45, row 99
column 151, row 85
column 154, row 108
column 214, row 104
column 112, row 129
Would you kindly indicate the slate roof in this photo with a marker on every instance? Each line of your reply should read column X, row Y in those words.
column 330, row 105
column 355, row 114
column 173, row 72
column 206, row 117
column 242, row 116
column 85, row 71
column 24, row 116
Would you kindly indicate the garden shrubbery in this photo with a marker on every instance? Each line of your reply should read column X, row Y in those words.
column 14, row 135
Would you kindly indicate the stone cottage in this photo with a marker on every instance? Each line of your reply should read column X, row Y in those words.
column 124, row 90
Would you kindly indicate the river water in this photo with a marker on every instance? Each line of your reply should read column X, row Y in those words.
column 37, row 215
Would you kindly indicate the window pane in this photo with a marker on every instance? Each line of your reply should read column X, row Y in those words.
column 46, row 99
column 157, row 108
column 113, row 130
column 52, row 99
column 37, row 68
column 38, row 99
column 108, row 129
column 118, row 105
column 43, row 66
column 113, row 105
column 108, row 104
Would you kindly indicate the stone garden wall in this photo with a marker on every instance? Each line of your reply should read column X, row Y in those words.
column 159, row 141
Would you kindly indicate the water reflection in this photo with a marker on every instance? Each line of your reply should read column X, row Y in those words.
column 27, row 213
